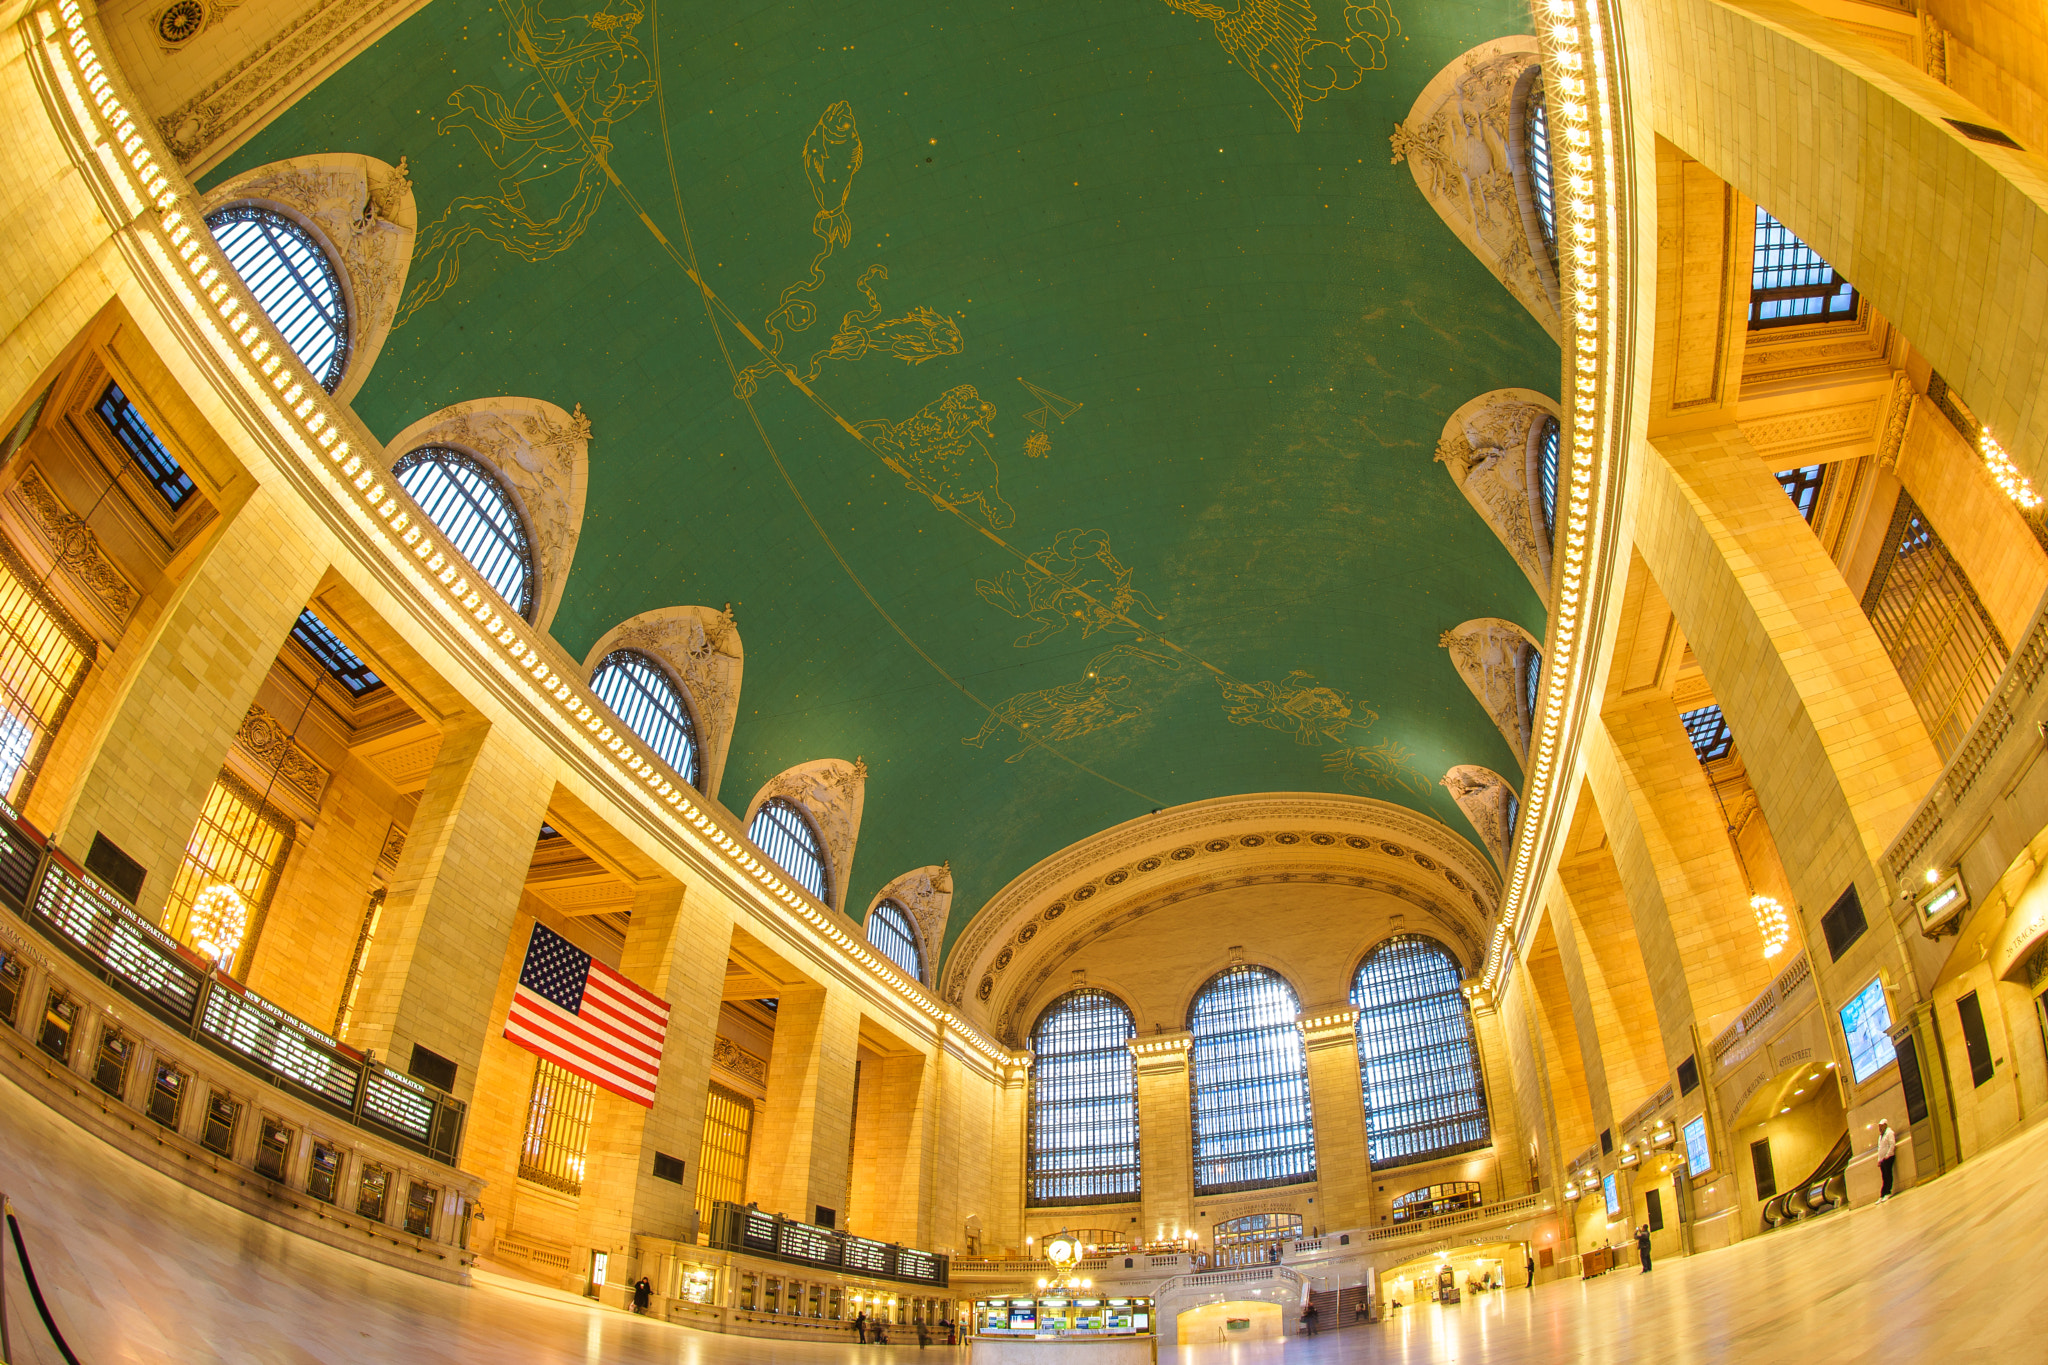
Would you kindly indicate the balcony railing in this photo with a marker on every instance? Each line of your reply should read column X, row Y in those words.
column 1759, row 1012
column 737, row 1227
column 96, row 928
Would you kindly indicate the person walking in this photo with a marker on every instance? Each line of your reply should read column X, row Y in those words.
column 642, row 1291
column 1887, row 1154
column 1308, row 1318
column 860, row 1327
column 1529, row 1264
column 1643, row 1246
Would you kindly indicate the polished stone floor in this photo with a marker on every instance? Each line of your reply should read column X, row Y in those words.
column 138, row 1268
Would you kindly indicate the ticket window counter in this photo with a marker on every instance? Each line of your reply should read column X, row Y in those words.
column 1063, row 1317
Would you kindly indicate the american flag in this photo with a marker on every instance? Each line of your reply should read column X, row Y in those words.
column 586, row 1018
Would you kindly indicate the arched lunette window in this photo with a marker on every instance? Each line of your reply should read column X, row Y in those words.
column 1252, row 1121
column 640, row 693
column 781, row 830
column 890, row 932
column 294, row 282
column 1532, row 684
column 1417, row 1062
column 1084, row 1102
column 1546, row 475
column 465, row 498
column 1536, row 140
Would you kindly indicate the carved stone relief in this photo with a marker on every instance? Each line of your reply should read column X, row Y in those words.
column 1489, row 803
column 832, row 792
column 1489, row 447
column 261, row 81
column 739, row 1061
column 363, row 209
column 543, row 455
column 393, row 847
column 77, row 550
column 1491, row 655
column 701, row 647
column 273, row 762
column 1458, row 140
column 927, row 893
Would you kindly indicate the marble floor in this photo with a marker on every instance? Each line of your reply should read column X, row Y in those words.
column 140, row 1269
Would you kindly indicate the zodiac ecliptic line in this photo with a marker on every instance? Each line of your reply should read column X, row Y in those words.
column 1299, row 706
column 1275, row 42
column 942, row 451
column 548, row 143
column 1078, row 578
column 921, row 334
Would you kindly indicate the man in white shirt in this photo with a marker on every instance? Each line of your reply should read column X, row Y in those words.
column 1887, row 1153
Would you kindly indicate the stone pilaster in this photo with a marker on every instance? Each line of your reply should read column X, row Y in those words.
column 1166, row 1138
column 1343, row 1164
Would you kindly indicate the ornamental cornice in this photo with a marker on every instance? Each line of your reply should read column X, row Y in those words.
column 1138, row 849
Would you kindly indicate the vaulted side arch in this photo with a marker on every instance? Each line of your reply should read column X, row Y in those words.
column 701, row 650
column 830, row 793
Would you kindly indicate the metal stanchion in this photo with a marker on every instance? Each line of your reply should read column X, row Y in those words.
column 6, row 1347
column 28, row 1273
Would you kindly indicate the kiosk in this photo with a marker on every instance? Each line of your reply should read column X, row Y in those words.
column 1066, row 1323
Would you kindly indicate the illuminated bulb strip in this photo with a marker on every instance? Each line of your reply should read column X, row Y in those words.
column 1583, row 114
column 2006, row 473
column 171, row 229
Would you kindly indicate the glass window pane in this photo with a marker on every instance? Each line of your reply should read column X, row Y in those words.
column 464, row 499
column 1084, row 1102
column 156, row 462
column 784, row 833
column 890, row 931
column 1790, row 283
column 1548, row 477
column 294, row 283
column 331, row 654
column 1417, row 1062
column 1250, row 1084
column 1708, row 730
column 1536, row 133
column 639, row 693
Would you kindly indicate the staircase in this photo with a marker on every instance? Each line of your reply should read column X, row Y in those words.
column 1338, row 1308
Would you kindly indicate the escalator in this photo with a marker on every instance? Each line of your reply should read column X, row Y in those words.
column 1825, row 1190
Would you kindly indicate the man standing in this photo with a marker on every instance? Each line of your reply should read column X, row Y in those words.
column 1887, row 1153
column 1643, row 1246
column 860, row 1327
column 1530, row 1265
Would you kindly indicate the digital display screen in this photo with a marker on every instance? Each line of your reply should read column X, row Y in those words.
column 1866, row 1023
column 1613, row 1192
column 1698, row 1161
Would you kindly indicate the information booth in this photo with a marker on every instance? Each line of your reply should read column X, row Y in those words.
column 1070, row 1329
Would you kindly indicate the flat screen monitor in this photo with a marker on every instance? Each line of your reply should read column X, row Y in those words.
column 1866, row 1023
column 1613, row 1192
column 1698, row 1161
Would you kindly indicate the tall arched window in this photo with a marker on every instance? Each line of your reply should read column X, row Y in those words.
column 1416, row 1058
column 464, row 497
column 639, row 692
column 1536, row 137
column 293, row 281
column 890, row 931
column 1250, row 1084
column 783, row 832
column 1546, row 476
column 1084, row 1102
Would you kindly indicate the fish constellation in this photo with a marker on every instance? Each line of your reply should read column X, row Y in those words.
column 1275, row 42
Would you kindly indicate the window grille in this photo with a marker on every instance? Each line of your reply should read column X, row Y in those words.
column 1252, row 1122
column 1416, row 1056
column 1939, row 637
column 157, row 464
column 1532, row 687
column 1790, row 283
column 1536, row 133
column 44, row 657
column 1708, row 730
column 557, row 1128
column 294, row 283
column 1433, row 1201
column 782, row 831
column 891, row 934
column 639, row 693
column 241, row 840
column 1547, row 477
column 728, row 1141
column 331, row 654
column 1253, row 1239
column 1803, row 487
column 1084, row 1102
column 465, row 498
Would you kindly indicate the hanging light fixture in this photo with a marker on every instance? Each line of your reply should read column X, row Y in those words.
column 219, row 919
column 1772, row 923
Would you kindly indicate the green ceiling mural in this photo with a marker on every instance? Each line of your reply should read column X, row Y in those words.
column 1052, row 389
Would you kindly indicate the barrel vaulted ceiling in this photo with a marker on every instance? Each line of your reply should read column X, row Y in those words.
column 1120, row 351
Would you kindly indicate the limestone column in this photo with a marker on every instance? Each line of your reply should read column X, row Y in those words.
column 432, row 970
column 801, row 1137
column 1834, row 746
column 149, row 736
column 1585, row 1012
column 1166, row 1135
column 676, row 946
column 890, row 1143
column 1343, row 1164
column 1503, row 1115
column 1004, row 1233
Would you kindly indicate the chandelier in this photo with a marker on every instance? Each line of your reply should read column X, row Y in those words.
column 219, row 919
